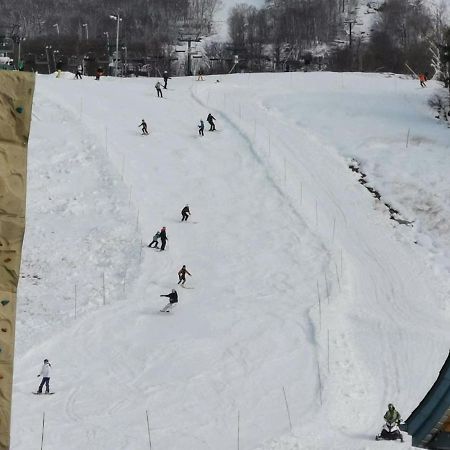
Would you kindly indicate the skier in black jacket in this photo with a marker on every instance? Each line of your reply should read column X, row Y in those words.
column 163, row 237
column 210, row 119
column 185, row 213
column 173, row 298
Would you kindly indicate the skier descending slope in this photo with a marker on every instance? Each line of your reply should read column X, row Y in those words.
column 210, row 119
column 143, row 125
column 182, row 275
column 164, row 238
column 173, row 299
column 45, row 373
column 185, row 213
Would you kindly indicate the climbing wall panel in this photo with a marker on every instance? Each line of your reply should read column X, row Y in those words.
column 16, row 96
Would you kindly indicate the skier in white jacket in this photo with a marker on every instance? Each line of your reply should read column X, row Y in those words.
column 45, row 374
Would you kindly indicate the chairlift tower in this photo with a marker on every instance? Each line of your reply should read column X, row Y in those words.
column 189, row 37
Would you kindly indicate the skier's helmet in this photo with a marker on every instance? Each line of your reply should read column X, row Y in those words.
column 173, row 291
column 46, row 360
column 391, row 406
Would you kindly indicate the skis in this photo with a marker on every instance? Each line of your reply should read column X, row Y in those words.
column 43, row 393
column 186, row 287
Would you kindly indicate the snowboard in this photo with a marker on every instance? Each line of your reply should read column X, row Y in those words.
column 43, row 393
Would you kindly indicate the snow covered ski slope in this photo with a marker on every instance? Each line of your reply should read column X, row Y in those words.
column 303, row 286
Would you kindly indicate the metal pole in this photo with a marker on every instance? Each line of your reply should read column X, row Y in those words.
column 148, row 430
column 117, row 44
column 43, row 426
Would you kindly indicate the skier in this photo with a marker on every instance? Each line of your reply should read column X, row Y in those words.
column 185, row 213
column 158, row 89
column 45, row 373
column 173, row 298
column 166, row 77
column 79, row 72
column 164, row 238
column 201, row 127
column 210, row 119
column 200, row 75
column 155, row 240
column 392, row 415
column 144, row 127
column 422, row 79
column 182, row 275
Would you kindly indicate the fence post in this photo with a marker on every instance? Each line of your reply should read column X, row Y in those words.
column 43, row 427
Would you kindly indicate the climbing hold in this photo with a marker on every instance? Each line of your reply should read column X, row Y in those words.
column 7, row 260
column 4, row 330
column 19, row 109
column 4, row 302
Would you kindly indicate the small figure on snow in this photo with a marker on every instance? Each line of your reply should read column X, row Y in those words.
column 155, row 240
column 166, row 77
column 391, row 430
column 164, row 238
column 79, row 72
column 45, row 374
column 143, row 125
column 201, row 128
column 173, row 298
column 182, row 275
column 158, row 89
column 200, row 75
column 210, row 119
column 185, row 213
column 98, row 73
column 422, row 79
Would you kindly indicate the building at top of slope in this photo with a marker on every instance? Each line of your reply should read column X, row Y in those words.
column 429, row 423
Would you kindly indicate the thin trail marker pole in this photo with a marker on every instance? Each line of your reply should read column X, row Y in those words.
column 137, row 222
column 326, row 285
column 43, row 427
column 148, row 431
column 287, row 409
column 238, row 430
column 407, row 137
column 103, row 288
column 337, row 276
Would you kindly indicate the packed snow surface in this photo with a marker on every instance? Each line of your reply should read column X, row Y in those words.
column 304, row 297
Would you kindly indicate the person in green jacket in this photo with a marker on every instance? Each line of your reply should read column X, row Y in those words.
column 392, row 415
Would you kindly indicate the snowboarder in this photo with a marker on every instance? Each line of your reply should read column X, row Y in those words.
column 143, row 125
column 422, row 79
column 166, row 77
column 79, row 72
column 155, row 240
column 210, row 119
column 173, row 298
column 164, row 238
column 201, row 128
column 45, row 373
column 182, row 275
column 158, row 89
column 185, row 213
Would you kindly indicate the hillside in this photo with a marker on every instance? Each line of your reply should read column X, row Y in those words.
column 300, row 281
